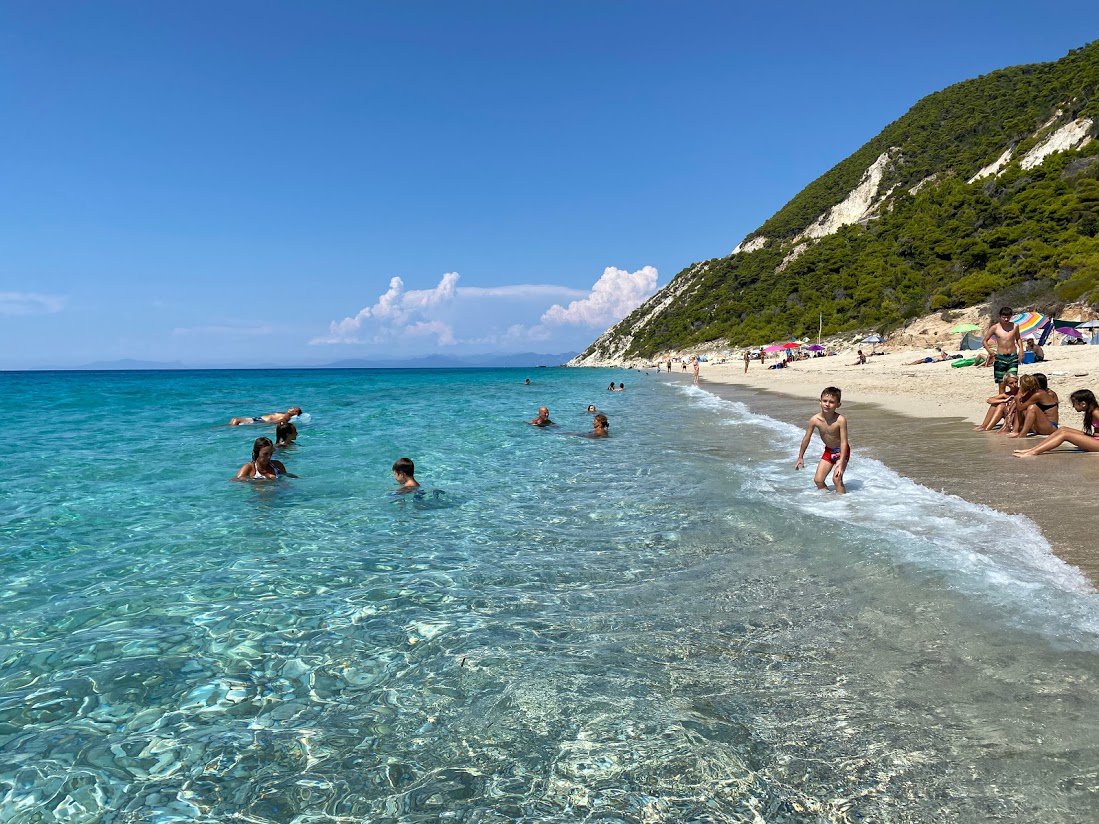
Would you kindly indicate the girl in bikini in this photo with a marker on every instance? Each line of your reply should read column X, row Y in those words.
column 1036, row 407
column 1001, row 406
column 1083, row 400
column 261, row 467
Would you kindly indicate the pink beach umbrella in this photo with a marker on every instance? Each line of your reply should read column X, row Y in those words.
column 774, row 347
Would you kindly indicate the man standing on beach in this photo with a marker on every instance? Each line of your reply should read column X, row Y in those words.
column 1009, row 346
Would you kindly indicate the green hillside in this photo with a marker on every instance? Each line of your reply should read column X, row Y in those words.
column 1024, row 236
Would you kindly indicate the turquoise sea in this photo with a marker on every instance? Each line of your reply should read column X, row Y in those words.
column 666, row 625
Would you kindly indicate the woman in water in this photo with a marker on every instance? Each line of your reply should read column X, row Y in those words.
column 1036, row 407
column 600, row 426
column 1083, row 400
column 591, row 409
column 261, row 467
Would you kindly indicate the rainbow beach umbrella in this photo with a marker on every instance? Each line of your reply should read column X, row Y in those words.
column 1030, row 323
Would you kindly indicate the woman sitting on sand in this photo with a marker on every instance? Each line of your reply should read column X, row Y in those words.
column 1001, row 407
column 261, row 467
column 1083, row 400
column 1036, row 407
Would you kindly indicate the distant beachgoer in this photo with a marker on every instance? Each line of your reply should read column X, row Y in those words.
column 270, row 417
column 746, row 359
column 1009, row 346
column 762, row 357
column 526, row 382
column 543, row 418
column 285, row 434
column 261, row 467
column 1036, row 348
column 610, row 387
column 832, row 427
column 1001, row 407
column 404, row 473
column 1036, row 407
column 860, row 359
column 684, row 364
column 621, row 387
column 695, row 367
column 591, row 409
column 1083, row 400
column 669, row 364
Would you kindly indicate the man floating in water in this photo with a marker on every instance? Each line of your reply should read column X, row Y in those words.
column 271, row 417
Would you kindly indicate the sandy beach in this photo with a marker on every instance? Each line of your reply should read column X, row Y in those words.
column 923, row 390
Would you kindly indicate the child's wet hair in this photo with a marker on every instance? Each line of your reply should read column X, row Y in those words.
column 404, row 466
column 832, row 392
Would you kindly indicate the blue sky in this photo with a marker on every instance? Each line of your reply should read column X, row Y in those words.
column 240, row 183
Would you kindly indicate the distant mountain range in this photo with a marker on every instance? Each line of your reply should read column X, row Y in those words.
column 494, row 361
column 986, row 190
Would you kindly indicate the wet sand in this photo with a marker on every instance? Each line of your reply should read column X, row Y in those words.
column 1057, row 492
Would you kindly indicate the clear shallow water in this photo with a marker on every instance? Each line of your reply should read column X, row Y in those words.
column 668, row 625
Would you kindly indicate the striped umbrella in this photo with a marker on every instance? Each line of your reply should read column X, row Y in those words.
column 1030, row 323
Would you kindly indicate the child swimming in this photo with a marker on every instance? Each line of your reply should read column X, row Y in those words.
column 832, row 427
column 404, row 473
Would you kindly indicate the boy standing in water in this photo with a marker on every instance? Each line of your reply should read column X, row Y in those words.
column 404, row 473
column 833, row 431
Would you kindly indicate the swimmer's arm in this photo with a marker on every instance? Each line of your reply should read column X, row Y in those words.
column 244, row 473
column 282, row 468
column 805, row 443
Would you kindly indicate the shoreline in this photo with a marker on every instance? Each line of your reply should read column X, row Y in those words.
column 936, row 447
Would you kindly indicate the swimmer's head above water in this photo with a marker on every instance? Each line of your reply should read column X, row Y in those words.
column 404, row 473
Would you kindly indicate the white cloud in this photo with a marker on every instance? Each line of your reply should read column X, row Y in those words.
column 394, row 306
column 503, row 316
column 521, row 290
column 444, row 334
column 614, row 295
column 29, row 303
